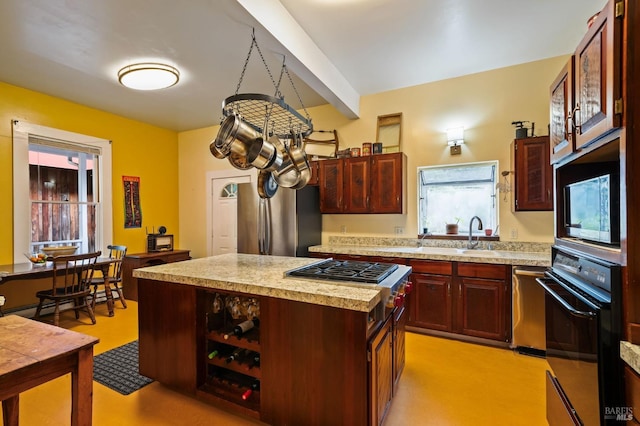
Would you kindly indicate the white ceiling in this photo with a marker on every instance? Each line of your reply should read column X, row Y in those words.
column 336, row 50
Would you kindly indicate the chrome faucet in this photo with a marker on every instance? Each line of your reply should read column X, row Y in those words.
column 471, row 244
column 419, row 244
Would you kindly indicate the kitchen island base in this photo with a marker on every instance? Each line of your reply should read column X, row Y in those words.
column 315, row 361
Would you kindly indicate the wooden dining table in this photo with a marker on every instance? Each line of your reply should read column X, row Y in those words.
column 32, row 353
column 29, row 271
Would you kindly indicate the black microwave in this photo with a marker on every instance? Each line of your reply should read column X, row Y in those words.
column 592, row 209
column 159, row 242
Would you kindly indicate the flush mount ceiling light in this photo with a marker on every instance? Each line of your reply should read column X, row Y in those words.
column 148, row 76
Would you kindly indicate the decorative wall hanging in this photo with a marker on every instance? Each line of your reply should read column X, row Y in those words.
column 132, row 211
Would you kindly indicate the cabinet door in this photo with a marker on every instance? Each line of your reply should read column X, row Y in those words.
column 598, row 77
column 381, row 374
column 560, row 130
column 386, row 183
column 431, row 302
column 357, row 178
column 533, row 175
column 399, row 324
column 481, row 308
column 331, row 186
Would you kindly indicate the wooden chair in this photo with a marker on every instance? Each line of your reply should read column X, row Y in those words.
column 323, row 148
column 71, row 277
column 117, row 253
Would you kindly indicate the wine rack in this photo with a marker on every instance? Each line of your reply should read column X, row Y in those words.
column 230, row 380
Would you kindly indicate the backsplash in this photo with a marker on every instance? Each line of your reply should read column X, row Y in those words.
column 404, row 242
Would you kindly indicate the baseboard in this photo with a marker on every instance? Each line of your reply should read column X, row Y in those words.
column 460, row 337
column 527, row 350
column 48, row 308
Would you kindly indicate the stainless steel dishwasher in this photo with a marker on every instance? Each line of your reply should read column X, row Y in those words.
column 528, row 312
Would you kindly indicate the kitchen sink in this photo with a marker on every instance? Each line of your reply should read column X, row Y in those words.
column 446, row 251
column 479, row 252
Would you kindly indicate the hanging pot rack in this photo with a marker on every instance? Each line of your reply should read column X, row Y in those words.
column 267, row 114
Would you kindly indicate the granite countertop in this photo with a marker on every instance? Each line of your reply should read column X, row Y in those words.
column 263, row 276
column 630, row 354
column 458, row 254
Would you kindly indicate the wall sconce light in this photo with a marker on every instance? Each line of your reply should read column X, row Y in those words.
column 455, row 138
column 148, row 76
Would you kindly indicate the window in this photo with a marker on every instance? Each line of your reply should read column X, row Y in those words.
column 454, row 194
column 62, row 189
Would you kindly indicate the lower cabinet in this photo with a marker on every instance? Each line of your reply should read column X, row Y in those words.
column 381, row 373
column 464, row 298
column 297, row 365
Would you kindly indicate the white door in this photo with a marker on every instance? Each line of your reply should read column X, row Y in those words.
column 222, row 217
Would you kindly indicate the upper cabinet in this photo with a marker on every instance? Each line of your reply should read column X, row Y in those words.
column 586, row 97
column 598, row 77
column 533, row 175
column 387, row 174
column 367, row 184
column 561, row 135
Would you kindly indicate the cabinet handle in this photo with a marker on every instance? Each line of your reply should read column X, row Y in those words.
column 460, row 290
column 449, row 289
column 367, row 201
column 575, row 111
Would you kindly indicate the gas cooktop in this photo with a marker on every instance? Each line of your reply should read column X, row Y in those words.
column 346, row 270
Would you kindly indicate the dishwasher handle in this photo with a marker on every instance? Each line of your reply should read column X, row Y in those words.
column 528, row 273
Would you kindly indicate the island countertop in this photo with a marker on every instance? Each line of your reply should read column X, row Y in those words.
column 262, row 276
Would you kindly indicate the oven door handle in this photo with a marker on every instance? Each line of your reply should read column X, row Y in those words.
column 564, row 303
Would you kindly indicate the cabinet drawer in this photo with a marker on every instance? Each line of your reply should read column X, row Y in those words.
column 432, row 267
column 482, row 270
column 632, row 380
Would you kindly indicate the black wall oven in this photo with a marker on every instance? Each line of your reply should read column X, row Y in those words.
column 583, row 317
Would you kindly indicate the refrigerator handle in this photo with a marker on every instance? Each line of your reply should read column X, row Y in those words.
column 260, row 226
column 267, row 227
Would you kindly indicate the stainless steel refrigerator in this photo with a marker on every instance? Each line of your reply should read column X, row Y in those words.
column 285, row 225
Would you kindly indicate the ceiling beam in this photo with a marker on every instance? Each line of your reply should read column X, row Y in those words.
column 306, row 59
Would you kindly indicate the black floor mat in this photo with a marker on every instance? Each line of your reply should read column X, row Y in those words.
column 118, row 369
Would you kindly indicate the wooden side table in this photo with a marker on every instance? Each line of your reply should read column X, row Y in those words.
column 32, row 353
column 140, row 260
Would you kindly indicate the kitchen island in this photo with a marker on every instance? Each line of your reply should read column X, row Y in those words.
column 327, row 353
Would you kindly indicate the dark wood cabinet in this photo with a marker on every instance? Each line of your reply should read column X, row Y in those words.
column 367, row 184
column 357, row 184
column 331, row 178
column 381, row 373
column 533, row 175
column 387, row 174
column 341, row 357
column 481, row 310
column 431, row 302
column 463, row 298
column 399, row 331
column 484, row 300
column 561, row 131
column 598, row 76
column 140, row 260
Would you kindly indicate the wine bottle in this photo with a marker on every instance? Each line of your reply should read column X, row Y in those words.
column 255, row 385
column 213, row 354
column 235, row 355
column 254, row 360
column 242, row 328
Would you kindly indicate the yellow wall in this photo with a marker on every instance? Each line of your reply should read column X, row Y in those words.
column 484, row 103
column 139, row 149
